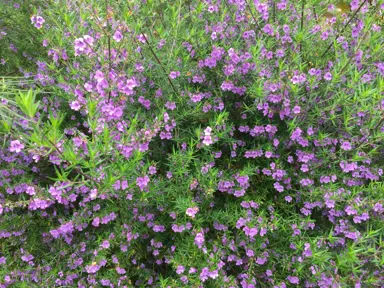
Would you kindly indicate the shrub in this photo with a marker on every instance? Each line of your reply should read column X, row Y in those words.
column 198, row 144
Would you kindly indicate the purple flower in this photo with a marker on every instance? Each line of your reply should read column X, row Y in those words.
column 346, row 146
column 268, row 154
column 261, row 260
column 227, row 86
column 180, row 269
column 174, row 74
column 152, row 170
column 66, row 228
column 350, row 210
column 328, row 76
column 27, row 258
column 75, row 105
column 293, row 280
column 37, row 21
column 204, row 274
column 243, row 181
column 170, row 106
column 192, row 270
column 268, row 29
column 199, row 239
column 105, row 244
column 307, row 250
column 239, row 193
column 121, row 271
column 330, row 203
column 83, row 45
column 158, row 228
column 214, row 274
column 296, row 110
column 184, row 279
column 378, row 207
column 288, row 198
column 93, row 268
column 142, row 182
column 96, row 222
column 207, row 136
column 117, row 36
column 278, row 187
column 16, row 146
column 3, row 260
column 192, row 211
column 105, row 282
column 250, row 253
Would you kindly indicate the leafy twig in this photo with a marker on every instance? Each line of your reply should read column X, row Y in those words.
column 345, row 27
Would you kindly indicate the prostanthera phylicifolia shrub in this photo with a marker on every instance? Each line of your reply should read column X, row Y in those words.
column 231, row 143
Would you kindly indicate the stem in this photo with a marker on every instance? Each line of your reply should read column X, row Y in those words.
column 302, row 24
column 61, row 154
column 109, row 48
column 315, row 14
column 350, row 58
column 302, row 15
column 253, row 16
column 159, row 62
column 370, row 133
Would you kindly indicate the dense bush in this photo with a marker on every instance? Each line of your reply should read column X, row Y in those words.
column 197, row 144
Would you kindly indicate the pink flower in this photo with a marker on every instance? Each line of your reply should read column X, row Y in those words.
column 75, row 105
column 180, row 269
column 199, row 239
column 152, row 170
column 328, row 76
column 37, row 21
column 278, row 187
column 346, row 146
column 16, row 146
column 207, row 136
column 117, row 36
column 192, row 211
column 105, row 244
column 293, row 279
column 174, row 74
column 142, row 182
column 296, row 110
column 93, row 268
column 30, row 191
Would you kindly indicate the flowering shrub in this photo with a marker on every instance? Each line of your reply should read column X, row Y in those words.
column 198, row 144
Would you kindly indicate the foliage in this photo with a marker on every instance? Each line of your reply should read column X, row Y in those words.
column 20, row 42
column 197, row 144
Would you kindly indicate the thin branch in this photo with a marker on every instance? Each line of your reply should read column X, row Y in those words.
column 302, row 14
column 159, row 62
column 350, row 58
column 274, row 11
column 370, row 133
column 109, row 48
column 62, row 155
column 345, row 27
column 302, row 25
column 315, row 14
column 253, row 16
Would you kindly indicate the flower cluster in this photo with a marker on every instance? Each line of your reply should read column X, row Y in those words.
column 37, row 21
